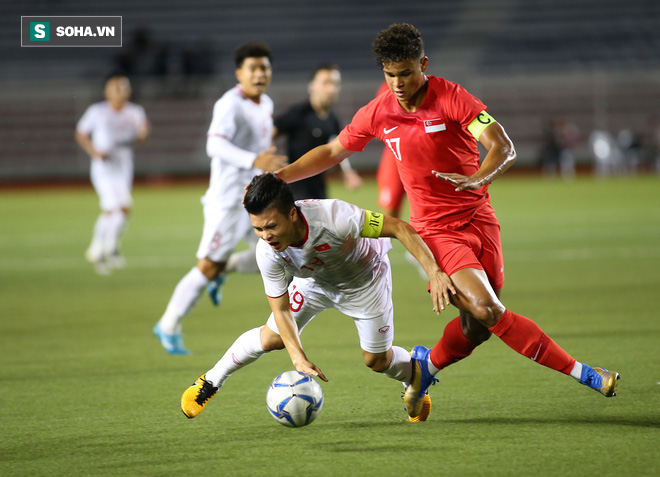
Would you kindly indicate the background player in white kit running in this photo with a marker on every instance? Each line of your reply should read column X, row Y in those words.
column 107, row 132
column 333, row 251
column 240, row 146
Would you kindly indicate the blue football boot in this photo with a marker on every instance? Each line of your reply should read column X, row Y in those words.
column 173, row 344
column 602, row 380
column 421, row 380
column 215, row 288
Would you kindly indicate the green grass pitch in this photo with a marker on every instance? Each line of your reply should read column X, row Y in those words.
column 87, row 390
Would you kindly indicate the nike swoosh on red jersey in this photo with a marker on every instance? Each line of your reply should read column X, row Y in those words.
column 387, row 131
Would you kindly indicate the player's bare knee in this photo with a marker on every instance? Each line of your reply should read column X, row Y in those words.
column 488, row 313
column 270, row 340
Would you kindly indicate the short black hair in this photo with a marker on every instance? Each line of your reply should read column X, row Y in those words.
column 323, row 67
column 267, row 191
column 251, row 49
column 399, row 42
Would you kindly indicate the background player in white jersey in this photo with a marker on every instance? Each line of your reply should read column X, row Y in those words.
column 240, row 146
column 333, row 251
column 107, row 132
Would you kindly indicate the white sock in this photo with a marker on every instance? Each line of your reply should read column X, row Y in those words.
column 185, row 297
column 401, row 366
column 432, row 369
column 576, row 372
column 243, row 262
column 245, row 350
column 116, row 226
column 119, row 225
column 101, row 231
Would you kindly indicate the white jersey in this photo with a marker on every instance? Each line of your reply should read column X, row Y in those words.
column 246, row 128
column 333, row 253
column 113, row 132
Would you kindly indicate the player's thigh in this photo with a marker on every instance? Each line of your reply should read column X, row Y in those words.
column 372, row 311
column 123, row 176
column 223, row 229
column 126, row 169
column 454, row 250
column 490, row 256
column 104, row 181
column 376, row 334
column 306, row 301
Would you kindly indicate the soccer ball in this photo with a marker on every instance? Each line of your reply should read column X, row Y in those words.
column 294, row 399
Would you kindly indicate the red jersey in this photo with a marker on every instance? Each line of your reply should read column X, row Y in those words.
column 435, row 137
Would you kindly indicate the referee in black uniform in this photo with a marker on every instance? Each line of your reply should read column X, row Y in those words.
column 312, row 123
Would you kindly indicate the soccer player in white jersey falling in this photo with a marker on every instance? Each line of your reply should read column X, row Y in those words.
column 107, row 132
column 240, row 146
column 338, row 257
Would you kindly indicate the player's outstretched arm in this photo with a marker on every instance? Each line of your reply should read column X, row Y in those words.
column 441, row 286
column 501, row 155
column 317, row 160
column 289, row 334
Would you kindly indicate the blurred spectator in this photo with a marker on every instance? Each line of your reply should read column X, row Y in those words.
column 651, row 144
column 196, row 66
column 631, row 150
column 143, row 57
column 561, row 137
column 608, row 158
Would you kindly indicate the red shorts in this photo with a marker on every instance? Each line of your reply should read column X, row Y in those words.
column 474, row 243
column 390, row 188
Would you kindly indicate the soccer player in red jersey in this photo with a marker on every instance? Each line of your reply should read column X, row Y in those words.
column 432, row 127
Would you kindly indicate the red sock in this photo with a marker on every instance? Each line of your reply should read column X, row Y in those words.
column 526, row 337
column 452, row 347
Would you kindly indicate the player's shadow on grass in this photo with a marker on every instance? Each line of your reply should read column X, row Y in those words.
column 651, row 423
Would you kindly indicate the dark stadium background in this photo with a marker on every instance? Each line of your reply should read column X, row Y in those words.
column 596, row 63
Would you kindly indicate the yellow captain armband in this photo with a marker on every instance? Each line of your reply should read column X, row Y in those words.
column 373, row 224
column 480, row 123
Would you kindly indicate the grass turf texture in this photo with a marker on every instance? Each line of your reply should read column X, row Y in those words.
column 86, row 389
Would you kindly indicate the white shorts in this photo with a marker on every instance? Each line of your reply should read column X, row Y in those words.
column 112, row 179
column 373, row 305
column 224, row 228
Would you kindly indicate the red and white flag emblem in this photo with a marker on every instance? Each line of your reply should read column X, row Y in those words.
column 323, row 247
column 434, row 125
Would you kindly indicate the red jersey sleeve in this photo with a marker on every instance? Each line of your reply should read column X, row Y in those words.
column 356, row 135
column 460, row 105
